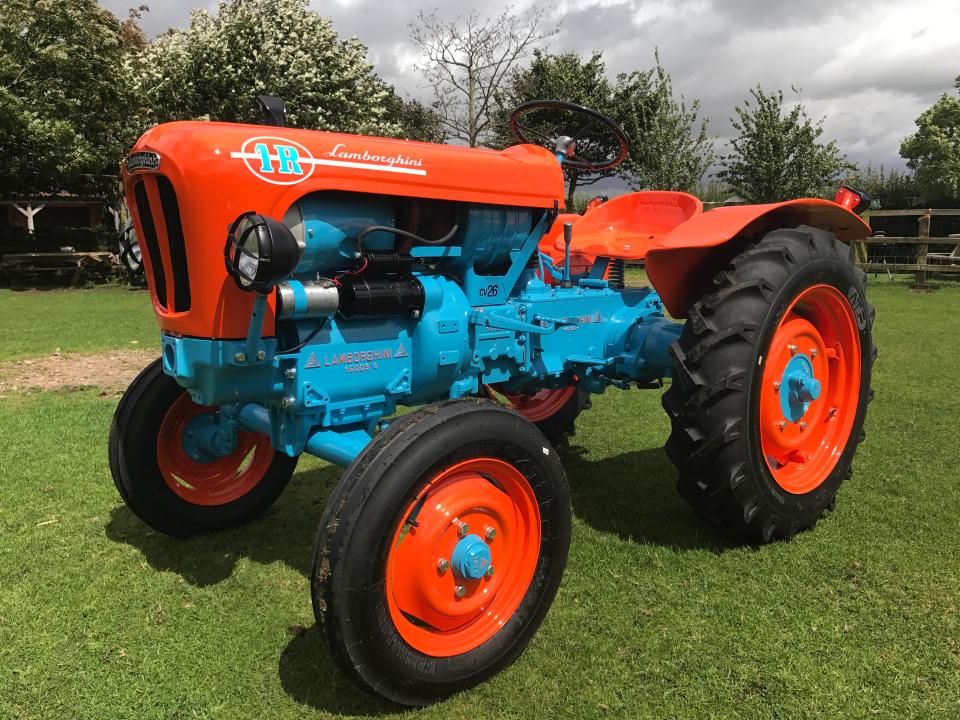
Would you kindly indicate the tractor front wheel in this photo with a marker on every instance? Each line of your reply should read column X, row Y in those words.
column 175, row 487
column 771, row 385
column 441, row 550
column 553, row 410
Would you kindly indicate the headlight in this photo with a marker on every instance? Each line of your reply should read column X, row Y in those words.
column 260, row 252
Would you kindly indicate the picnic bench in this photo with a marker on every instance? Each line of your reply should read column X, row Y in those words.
column 20, row 267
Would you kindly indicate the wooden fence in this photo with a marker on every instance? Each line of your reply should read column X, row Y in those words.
column 922, row 267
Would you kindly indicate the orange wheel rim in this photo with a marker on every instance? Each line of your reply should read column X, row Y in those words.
column 219, row 481
column 435, row 610
column 810, row 389
column 540, row 405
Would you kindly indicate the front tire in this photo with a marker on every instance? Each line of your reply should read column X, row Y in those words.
column 771, row 385
column 553, row 410
column 166, row 488
column 405, row 616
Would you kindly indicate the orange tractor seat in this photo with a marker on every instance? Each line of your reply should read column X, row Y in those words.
column 626, row 226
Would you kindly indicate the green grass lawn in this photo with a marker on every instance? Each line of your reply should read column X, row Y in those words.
column 657, row 617
column 38, row 322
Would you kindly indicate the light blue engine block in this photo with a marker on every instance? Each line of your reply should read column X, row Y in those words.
column 487, row 318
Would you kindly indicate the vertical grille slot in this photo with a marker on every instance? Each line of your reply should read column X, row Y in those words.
column 175, row 244
column 151, row 242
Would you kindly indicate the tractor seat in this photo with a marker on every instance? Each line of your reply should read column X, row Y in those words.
column 627, row 226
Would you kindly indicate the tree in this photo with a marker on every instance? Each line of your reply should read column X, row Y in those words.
column 889, row 189
column 415, row 120
column 65, row 96
column 933, row 152
column 217, row 67
column 466, row 60
column 777, row 156
column 668, row 150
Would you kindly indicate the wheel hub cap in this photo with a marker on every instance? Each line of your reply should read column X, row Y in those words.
column 799, row 387
column 471, row 558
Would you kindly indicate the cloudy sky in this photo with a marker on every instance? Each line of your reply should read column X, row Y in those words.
column 869, row 67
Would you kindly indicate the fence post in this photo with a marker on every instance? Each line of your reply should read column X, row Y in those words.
column 924, row 232
column 861, row 255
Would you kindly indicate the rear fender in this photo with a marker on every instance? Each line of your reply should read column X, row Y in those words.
column 682, row 265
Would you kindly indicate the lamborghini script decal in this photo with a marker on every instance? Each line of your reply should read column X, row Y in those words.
column 285, row 162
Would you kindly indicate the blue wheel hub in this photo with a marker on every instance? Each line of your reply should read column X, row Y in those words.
column 471, row 558
column 798, row 387
column 205, row 440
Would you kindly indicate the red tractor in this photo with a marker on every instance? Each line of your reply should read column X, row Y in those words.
column 307, row 284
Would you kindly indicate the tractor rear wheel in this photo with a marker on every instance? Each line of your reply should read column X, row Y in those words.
column 441, row 550
column 771, row 385
column 181, row 493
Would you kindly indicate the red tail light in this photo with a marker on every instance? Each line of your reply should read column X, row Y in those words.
column 856, row 201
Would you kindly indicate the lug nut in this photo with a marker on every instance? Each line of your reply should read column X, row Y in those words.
column 261, row 355
column 460, row 591
column 464, row 529
column 782, row 425
column 813, row 352
column 290, row 373
column 489, row 572
column 490, row 533
column 776, row 386
column 792, row 349
column 803, row 426
column 240, row 357
column 443, row 565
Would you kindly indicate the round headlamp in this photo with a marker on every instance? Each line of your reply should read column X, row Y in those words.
column 260, row 252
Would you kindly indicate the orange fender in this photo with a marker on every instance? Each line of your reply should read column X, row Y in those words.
column 685, row 260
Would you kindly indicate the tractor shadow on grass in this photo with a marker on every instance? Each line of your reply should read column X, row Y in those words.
column 285, row 534
column 634, row 496
column 630, row 495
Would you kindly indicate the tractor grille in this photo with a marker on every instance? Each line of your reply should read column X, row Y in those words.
column 163, row 241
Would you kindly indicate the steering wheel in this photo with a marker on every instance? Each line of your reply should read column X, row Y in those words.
column 597, row 144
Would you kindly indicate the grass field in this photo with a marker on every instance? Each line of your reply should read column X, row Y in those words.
column 39, row 322
column 657, row 617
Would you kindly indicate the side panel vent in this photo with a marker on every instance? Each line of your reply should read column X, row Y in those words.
column 151, row 243
column 175, row 243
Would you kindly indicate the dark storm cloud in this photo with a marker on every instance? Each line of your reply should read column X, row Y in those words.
column 869, row 70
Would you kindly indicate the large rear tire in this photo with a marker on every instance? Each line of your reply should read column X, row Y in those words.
column 771, row 385
column 166, row 488
column 402, row 584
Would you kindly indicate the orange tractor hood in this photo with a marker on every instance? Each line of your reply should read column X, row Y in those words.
column 227, row 160
column 188, row 181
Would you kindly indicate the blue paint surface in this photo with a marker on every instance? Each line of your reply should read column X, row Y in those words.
column 487, row 318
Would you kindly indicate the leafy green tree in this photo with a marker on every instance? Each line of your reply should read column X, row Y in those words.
column 777, row 155
column 891, row 189
column 668, row 149
column 415, row 120
column 933, row 152
column 65, row 96
column 215, row 69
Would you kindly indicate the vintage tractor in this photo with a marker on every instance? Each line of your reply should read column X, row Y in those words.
column 307, row 284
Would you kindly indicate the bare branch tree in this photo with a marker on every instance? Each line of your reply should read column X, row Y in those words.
column 467, row 59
